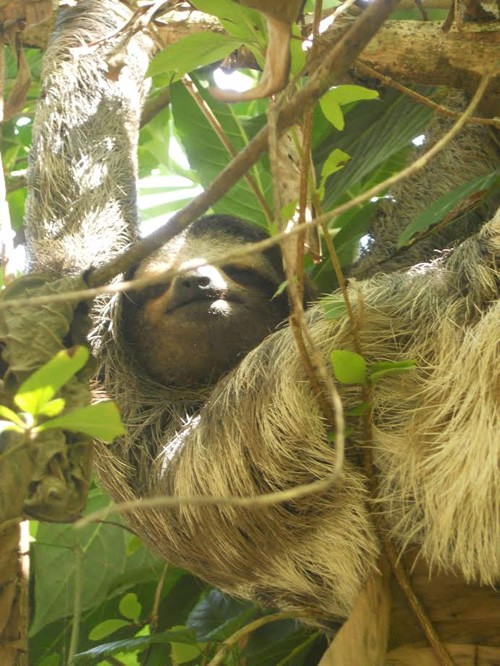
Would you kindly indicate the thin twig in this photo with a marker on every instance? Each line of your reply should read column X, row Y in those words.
column 245, row 501
column 443, row 110
column 222, row 136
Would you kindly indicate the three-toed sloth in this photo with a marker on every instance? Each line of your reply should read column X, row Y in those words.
column 215, row 397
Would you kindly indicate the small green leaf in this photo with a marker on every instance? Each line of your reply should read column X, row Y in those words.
column 334, row 307
column 335, row 161
column 383, row 369
column 346, row 94
column 101, row 421
column 378, row 366
column 348, row 367
column 45, row 382
column 358, row 410
column 183, row 653
column 332, row 111
column 130, row 607
column 12, row 416
column 106, row 628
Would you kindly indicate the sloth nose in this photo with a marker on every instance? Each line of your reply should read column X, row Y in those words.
column 205, row 283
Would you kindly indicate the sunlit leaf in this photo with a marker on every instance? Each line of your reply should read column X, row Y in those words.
column 102, row 421
column 189, row 53
column 44, row 383
column 53, row 407
column 333, row 112
column 11, row 416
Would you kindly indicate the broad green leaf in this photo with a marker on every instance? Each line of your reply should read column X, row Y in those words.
column 130, row 607
column 101, row 421
column 348, row 367
column 447, row 205
column 106, row 628
column 189, row 53
column 12, row 416
column 45, row 382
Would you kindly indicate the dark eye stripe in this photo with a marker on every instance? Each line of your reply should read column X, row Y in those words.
column 248, row 277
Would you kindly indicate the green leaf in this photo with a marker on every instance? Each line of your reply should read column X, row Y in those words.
column 53, row 407
column 241, row 22
column 335, row 161
column 332, row 111
column 183, row 652
column 333, row 306
column 45, row 382
column 346, row 94
column 189, row 53
column 447, row 205
column 348, row 367
column 130, row 607
column 95, row 655
column 12, row 416
column 383, row 368
column 102, row 421
column 106, row 628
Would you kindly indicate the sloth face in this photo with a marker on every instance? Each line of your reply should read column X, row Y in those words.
column 193, row 328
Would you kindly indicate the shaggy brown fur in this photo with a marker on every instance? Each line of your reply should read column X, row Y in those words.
column 259, row 429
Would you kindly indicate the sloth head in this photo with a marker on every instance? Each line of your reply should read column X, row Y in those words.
column 194, row 327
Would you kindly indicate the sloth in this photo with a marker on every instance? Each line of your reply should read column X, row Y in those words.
column 190, row 331
column 215, row 397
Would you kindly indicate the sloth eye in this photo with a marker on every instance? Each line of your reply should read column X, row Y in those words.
column 248, row 277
